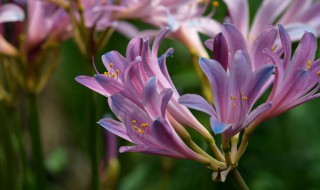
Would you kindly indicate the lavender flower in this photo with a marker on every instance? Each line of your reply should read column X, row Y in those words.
column 296, row 16
column 296, row 80
column 146, row 125
column 235, row 85
column 128, row 75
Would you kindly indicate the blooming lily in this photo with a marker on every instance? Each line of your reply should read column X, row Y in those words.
column 296, row 80
column 236, row 88
column 146, row 126
column 128, row 76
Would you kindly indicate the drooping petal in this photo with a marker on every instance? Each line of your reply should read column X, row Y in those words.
column 218, row 127
column 91, row 83
column 197, row 102
column 115, row 127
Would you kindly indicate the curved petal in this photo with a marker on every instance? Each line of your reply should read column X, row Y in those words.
column 256, row 113
column 91, row 83
column 304, row 53
column 165, row 97
column 109, row 84
column 218, row 80
column 134, row 49
column 218, row 127
column 265, row 40
column 197, row 102
column 114, row 61
column 115, row 127
column 151, row 98
column 286, row 44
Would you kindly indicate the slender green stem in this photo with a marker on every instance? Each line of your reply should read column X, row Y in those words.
column 34, row 127
column 93, row 134
column 238, row 180
column 243, row 145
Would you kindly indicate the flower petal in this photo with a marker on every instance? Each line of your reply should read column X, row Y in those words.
column 109, row 84
column 114, row 61
column 149, row 150
column 218, row 80
column 91, row 83
column 286, row 43
column 220, row 50
column 197, row 102
column 218, row 127
column 238, row 9
column 264, row 40
column 134, row 49
column 115, row 127
column 234, row 38
column 151, row 98
column 266, row 15
column 256, row 113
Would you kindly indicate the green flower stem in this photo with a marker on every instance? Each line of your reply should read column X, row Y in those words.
column 238, row 180
column 243, row 145
column 226, row 149
column 34, row 127
column 211, row 142
column 93, row 134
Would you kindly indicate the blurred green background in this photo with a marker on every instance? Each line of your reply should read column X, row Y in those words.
column 283, row 153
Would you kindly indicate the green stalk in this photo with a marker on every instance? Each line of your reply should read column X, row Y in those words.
column 34, row 127
column 238, row 180
column 93, row 135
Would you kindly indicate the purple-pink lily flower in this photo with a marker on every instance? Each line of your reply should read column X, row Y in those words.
column 236, row 87
column 297, row 80
column 295, row 15
column 128, row 76
column 146, row 125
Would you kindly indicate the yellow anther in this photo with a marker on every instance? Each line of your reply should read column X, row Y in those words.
column 273, row 48
column 318, row 73
column 117, row 71
column 308, row 64
column 215, row 3
column 234, row 105
column 233, row 98
column 244, row 98
column 144, row 125
column 111, row 65
column 140, row 131
column 114, row 75
column 135, row 128
column 133, row 121
column 107, row 73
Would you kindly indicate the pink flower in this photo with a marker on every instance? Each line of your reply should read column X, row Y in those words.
column 128, row 76
column 297, row 80
column 146, row 125
column 235, row 85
